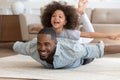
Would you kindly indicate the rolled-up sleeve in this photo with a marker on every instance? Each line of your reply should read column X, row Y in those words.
column 25, row 48
column 94, row 50
column 21, row 48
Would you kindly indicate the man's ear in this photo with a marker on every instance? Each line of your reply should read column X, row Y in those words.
column 56, row 42
column 65, row 22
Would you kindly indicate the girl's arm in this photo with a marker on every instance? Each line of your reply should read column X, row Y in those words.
column 87, row 25
column 82, row 6
column 84, row 18
column 100, row 35
column 36, row 28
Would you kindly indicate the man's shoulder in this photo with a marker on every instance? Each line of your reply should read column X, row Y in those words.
column 66, row 41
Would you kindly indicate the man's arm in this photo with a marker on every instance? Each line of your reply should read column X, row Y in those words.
column 18, row 47
column 26, row 48
column 21, row 47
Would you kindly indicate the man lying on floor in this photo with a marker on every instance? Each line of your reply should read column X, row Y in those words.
column 61, row 52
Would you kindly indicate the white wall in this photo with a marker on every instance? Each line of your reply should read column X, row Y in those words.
column 104, row 4
column 33, row 6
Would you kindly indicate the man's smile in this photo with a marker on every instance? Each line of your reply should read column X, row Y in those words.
column 43, row 53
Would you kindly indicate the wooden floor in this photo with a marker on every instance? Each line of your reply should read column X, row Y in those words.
column 20, row 79
column 6, row 50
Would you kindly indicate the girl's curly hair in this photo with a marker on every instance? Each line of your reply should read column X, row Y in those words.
column 69, row 11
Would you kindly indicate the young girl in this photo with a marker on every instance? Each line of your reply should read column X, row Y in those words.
column 84, row 19
column 64, row 19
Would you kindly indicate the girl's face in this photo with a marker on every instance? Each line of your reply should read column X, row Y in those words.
column 58, row 19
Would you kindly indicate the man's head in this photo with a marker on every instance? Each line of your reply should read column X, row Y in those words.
column 46, row 43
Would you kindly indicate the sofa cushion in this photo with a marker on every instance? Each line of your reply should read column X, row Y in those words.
column 25, row 21
column 106, row 16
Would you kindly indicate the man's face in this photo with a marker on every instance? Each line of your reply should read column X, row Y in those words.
column 46, row 46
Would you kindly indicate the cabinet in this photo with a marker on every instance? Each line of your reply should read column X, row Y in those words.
column 10, row 28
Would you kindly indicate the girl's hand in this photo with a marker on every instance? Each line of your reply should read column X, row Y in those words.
column 35, row 28
column 114, row 37
column 82, row 6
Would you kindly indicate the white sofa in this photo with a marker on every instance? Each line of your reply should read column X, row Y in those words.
column 26, row 22
column 106, row 20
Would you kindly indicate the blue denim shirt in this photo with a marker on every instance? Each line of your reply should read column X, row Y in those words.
column 69, row 53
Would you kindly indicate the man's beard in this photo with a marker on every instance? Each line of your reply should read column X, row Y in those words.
column 43, row 58
column 49, row 58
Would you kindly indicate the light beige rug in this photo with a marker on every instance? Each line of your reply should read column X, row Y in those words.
column 20, row 66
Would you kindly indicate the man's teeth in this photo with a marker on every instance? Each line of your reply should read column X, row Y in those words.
column 43, row 52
